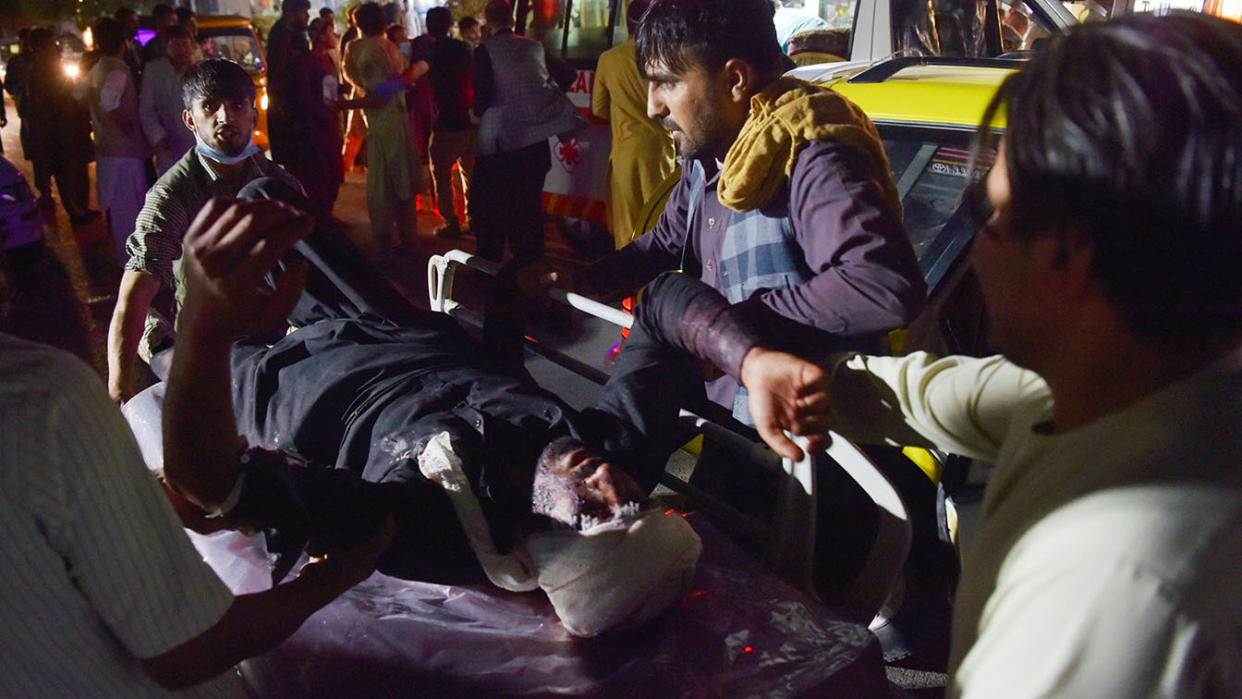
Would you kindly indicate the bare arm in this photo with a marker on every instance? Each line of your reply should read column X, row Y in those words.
column 255, row 623
column 128, row 320
column 229, row 249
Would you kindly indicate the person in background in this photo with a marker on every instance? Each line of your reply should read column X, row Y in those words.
column 120, row 145
column 60, row 128
column 418, row 97
column 322, row 172
column 159, row 100
column 355, row 119
column 16, row 73
column 470, row 31
column 133, row 50
column 187, row 19
column 394, row 172
column 163, row 16
column 453, row 134
column 326, row 14
column 288, row 99
column 520, row 108
column 1109, row 240
column 220, row 111
column 642, row 154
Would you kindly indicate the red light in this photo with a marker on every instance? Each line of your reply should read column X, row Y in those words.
column 747, row 649
column 669, row 512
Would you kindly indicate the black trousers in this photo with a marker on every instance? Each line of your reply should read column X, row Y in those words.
column 506, row 202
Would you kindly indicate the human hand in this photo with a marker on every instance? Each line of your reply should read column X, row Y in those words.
column 787, row 393
column 229, row 249
column 342, row 568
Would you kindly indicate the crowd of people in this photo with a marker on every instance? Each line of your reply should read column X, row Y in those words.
column 1109, row 235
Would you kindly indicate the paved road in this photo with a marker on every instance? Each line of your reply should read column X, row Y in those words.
column 66, row 298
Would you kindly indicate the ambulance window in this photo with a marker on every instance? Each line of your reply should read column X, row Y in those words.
column 586, row 35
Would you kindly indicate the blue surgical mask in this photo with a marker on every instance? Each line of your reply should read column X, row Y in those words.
column 201, row 146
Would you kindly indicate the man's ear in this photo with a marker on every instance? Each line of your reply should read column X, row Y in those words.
column 1069, row 259
column 740, row 79
column 188, row 120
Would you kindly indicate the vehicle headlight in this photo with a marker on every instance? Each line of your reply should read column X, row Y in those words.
column 263, row 102
column 71, row 69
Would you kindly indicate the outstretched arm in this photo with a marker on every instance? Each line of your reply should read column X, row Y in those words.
column 786, row 392
column 229, row 249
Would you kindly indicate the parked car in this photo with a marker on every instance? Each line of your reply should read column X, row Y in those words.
column 19, row 211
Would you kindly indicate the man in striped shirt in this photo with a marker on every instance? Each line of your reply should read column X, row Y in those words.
column 219, row 99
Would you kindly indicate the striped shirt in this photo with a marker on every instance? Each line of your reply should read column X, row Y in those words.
column 95, row 570
column 171, row 204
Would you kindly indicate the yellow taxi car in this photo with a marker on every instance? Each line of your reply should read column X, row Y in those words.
column 235, row 38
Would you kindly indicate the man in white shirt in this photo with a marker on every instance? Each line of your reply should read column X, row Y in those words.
column 1108, row 560
column 120, row 146
column 160, row 103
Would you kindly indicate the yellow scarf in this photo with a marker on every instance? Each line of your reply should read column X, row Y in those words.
column 783, row 117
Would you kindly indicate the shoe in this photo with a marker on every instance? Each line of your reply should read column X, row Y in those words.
column 451, row 230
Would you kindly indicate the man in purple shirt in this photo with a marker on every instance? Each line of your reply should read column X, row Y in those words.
column 788, row 210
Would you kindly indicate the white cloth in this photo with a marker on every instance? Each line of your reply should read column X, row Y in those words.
column 618, row 574
column 95, row 570
column 113, row 89
column 120, row 187
column 1108, row 561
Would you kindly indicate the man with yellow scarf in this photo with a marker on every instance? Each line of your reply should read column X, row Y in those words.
column 786, row 204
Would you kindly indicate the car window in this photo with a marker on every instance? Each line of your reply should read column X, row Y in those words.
column 932, row 169
column 587, row 34
column 234, row 43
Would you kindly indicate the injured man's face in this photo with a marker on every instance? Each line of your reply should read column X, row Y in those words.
column 617, row 562
column 575, row 486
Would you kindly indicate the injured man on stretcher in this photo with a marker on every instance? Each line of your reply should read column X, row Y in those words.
column 326, row 432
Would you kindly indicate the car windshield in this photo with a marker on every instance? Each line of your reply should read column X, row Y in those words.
column 932, row 169
column 234, row 43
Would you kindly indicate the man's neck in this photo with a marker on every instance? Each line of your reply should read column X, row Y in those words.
column 1096, row 379
column 228, row 172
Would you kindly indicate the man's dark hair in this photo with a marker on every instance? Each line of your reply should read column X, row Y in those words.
column 707, row 33
column 176, row 31
column 216, row 77
column 184, row 14
column 327, row 13
column 109, row 35
column 1127, row 133
column 499, row 13
column 294, row 5
column 439, row 21
column 123, row 12
column 161, row 11
column 466, row 23
column 634, row 15
column 370, row 19
column 41, row 38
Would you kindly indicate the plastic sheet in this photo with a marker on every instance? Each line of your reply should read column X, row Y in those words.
column 741, row 632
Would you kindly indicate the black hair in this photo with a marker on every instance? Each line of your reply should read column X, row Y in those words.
column 109, row 35
column 370, row 19
column 176, row 31
column 327, row 13
column 634, row 15
column 184, row 14
column 1127, row 133
column 294, row 5
column 439, row 21
column 707, row 33
column 123, row 12
column 499, row 13
column 41, row 38
column 466, row 23
column 216, row 77
column 161, row 11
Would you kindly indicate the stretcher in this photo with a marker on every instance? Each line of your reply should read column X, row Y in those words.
column 750, row 627
column 742, row 631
